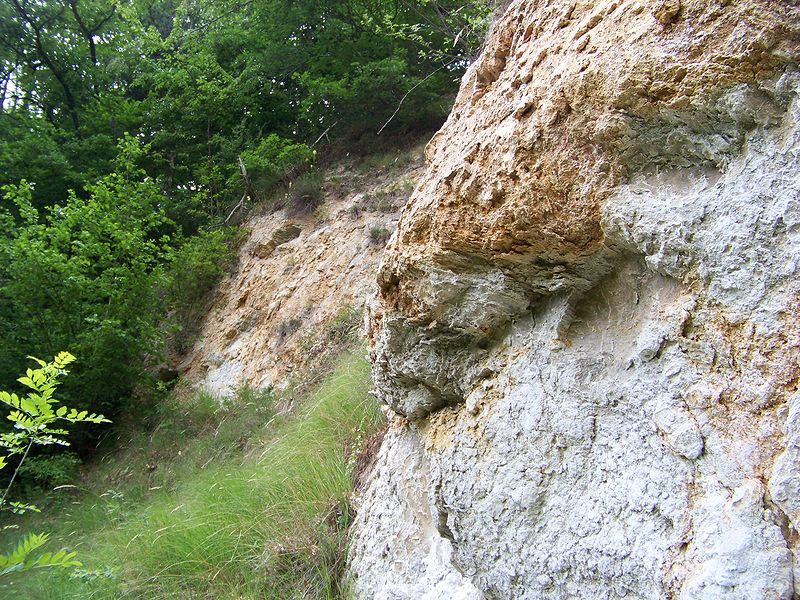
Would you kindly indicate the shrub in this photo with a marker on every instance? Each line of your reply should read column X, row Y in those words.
column 193, row 269
column 354, row 211
column 196, row 266
column 378, row 235
column 44, row 472
column 83, row 276
column 305, row 194
column 275, row 159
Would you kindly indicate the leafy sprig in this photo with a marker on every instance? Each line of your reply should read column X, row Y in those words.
column 34, row 416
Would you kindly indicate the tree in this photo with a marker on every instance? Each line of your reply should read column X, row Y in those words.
column 86, row 275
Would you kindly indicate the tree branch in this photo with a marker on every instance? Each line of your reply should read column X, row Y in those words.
column 428, row 76
column 14, row 476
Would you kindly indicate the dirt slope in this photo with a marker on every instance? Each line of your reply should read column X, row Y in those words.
column 297, row 272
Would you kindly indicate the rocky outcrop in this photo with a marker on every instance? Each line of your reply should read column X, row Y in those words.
column 285, row 233
column 587, row 322
column 294, row 275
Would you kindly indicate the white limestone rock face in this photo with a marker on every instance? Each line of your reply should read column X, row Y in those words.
column 623, row 420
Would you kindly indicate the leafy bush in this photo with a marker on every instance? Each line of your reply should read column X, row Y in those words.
column 196, row 266
column 275, row 159
column 193, row 269
column 41, row 473
column 83, row 276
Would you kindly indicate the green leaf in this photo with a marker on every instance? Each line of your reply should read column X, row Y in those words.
column 20, row 558
column 62, row 359
column 20, row 508
column 28, row 382
column 15, row 560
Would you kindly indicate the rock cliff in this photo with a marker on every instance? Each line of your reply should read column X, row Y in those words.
column 296, row 272
column 587, row 326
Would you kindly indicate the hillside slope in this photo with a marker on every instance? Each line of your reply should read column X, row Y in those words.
column 297, row 271
column 238, row 486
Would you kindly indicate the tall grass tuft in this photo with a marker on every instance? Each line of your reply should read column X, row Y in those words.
column 248, row 504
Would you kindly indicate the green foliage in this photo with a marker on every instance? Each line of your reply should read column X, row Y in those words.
column 442, row 30
column 32, row 149
column 366, row 97
column 274, row 160
column 195, row 266
column 98, row 275
column 20, row 558
column 34, row 416
column 39, row 474
column 203, row 82
column 83, row 275
column 193, row 269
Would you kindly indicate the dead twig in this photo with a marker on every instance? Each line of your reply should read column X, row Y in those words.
column 428, row 76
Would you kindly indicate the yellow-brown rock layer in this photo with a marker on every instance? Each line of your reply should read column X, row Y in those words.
column 563, row 106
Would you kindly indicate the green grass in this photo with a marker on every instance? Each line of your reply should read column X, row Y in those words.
column 218, row 502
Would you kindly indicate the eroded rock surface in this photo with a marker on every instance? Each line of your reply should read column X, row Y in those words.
column 587, row 322
column 296, row 272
